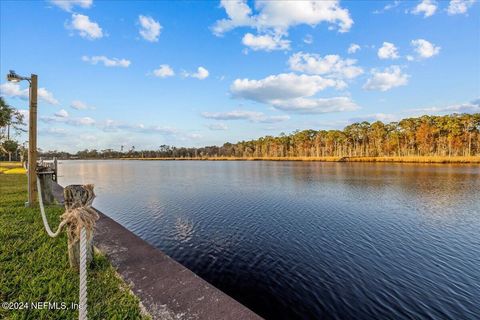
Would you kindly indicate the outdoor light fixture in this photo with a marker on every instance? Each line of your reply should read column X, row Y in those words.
column 32, row 131
column 13, row 77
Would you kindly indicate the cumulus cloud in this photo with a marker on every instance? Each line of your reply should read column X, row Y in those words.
column 11, row 89
column 385, row 80
column 459, row 6
column 107, row 62
column 201, row 73
column 68, row 5
column 425, row 49
column 163, row 71
column 353, row 48
column 425, row 7
column 252, row 116
column 61, row 113
column 388, row 51
column 332, row 66
column 273, row 19
column 79, row 105
column 47, row 96
column 281, row 15
column 293, row 93
column 149, row 28
column 85, row 28
column 281, row 86
column 217, row 126
column 265, row 42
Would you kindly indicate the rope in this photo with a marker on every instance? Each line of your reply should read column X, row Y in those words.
column 82, row 218
column 82, row 310
column 44, row 217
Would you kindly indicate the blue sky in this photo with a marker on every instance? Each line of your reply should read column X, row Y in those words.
column 198, row 73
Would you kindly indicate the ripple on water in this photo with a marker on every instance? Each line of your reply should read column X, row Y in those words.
column 308, row 240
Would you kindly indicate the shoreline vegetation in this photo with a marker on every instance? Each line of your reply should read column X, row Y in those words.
column 411, row 159
column 34, row 267
column 451, row 138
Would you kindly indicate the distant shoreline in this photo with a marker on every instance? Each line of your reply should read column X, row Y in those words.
column 407, row 159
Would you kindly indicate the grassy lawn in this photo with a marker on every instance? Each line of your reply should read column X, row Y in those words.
column 34, row 267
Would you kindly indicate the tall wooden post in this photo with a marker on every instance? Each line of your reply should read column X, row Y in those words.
column 32, row 140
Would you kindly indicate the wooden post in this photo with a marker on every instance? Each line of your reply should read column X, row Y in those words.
column 32, row 141
column 45, row 174
column 76, row 196
column 55, row 166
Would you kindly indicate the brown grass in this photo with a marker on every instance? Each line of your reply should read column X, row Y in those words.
column 409, row 159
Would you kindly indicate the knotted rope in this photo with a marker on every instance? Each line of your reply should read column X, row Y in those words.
column 80, row 219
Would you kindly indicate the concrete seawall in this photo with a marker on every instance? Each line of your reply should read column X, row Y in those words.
column 166, row 289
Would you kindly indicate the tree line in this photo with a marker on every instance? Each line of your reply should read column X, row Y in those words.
column 11, row 125
column 448, row 135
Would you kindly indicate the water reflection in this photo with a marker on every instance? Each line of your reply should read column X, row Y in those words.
column 296, row 240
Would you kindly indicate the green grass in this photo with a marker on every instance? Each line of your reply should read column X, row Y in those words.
column 34, row 267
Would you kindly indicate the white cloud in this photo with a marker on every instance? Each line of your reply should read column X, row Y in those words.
column 54, row 131
column 384, row 117
column 46, row 96
column 332, row 66
column 388, row 51
column 11, row 89
column 201, row 73
column 425, row 7
column 79, row 105
column 84, row 121
column 217, row 126
column 107, row 62
column 280, row 87
column 150, row 29
column 353, row 48
column 316, row 106
column 265, row 42
column 279, row 16
column 390, row 78
column 252, row 116
column 67, row 5
column 459, row 6
column 468, row 107
column 308, row 39
column 425, row 49
column 62, row 113
column 85, row 28
column 163, row 71
column 388, row 7
column 292, row 92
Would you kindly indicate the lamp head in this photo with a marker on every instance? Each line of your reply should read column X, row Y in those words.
column 13, row 77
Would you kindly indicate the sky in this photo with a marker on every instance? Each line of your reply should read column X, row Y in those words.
column 144, row 74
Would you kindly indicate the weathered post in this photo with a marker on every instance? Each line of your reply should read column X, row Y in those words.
column 32, row 140
column 79, row 213
column 55, row 168
column 45, row 175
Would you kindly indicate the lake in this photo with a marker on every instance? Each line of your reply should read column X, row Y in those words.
column 308, row 240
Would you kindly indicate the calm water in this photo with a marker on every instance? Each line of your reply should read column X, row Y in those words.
column 308, row 240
